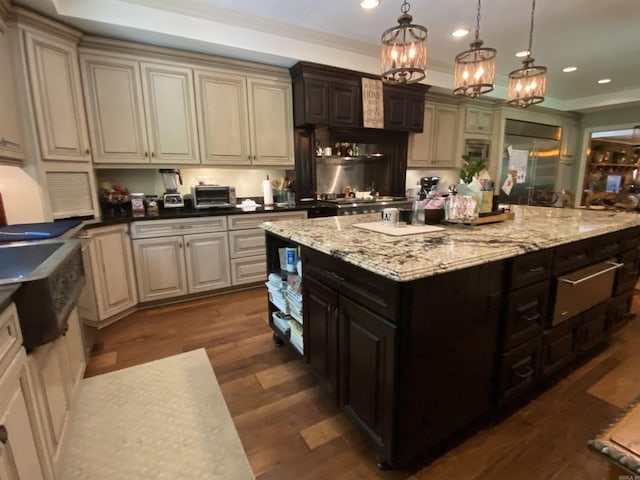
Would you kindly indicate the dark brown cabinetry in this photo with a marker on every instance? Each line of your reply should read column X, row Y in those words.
column 329, row 96
column 320, row 312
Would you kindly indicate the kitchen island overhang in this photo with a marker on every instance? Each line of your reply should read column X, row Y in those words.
column 422, row 339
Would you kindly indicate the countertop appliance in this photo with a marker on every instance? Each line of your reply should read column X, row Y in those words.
column 427, row 185
column 170, row 178
column 213, row 196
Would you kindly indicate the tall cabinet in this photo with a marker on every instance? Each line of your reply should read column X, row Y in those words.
column 50, row 95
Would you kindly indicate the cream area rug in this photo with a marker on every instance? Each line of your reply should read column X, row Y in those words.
column 164, row 419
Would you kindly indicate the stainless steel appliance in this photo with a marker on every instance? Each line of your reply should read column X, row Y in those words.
column 170, row 178
column 531, row 154
column 352, row 206
column 213, row 196
column 583, row 289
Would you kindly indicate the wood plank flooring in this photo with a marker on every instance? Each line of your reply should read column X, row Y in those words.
column 290, row 429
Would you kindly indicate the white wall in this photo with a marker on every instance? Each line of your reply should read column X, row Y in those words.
column 21, row 196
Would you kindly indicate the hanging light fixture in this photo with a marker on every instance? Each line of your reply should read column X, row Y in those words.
column 527, row 84
column 475, row 68
column 404, row 50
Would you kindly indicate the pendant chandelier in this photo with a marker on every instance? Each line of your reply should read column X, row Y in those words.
column 475, row 68
column 527, row 85
column 404, row 51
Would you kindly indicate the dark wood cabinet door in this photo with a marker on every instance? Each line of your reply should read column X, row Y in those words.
column 519, row 371
column 526, row 314
column 316, row 100
column 367, row 375
column 345, row 104
column 415, row 114
column 395, row 111
column 558, row 347
column 321, row 332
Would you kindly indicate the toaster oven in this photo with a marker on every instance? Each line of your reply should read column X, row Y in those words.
column 213, row 196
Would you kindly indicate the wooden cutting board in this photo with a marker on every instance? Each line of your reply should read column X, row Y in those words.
column 380, row 227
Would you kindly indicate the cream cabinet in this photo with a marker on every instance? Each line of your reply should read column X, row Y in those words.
column 478, row 120
column 179, row 257
column 247, row 244
column 54, row 77
column 115, row 111
column 11, row 138
column 18, row 451
column 244, row 120
column 56, row 369
column 435, row 147
column 139, row 112
column 110, row 291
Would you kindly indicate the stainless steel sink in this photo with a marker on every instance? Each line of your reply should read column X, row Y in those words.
column 52, row 277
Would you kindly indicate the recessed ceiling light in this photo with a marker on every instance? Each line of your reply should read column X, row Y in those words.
column 604, row 80
column 569, row 69
column 523, row 53
column 369, row 4
column 461, row 32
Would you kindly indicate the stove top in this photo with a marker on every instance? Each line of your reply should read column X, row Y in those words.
column 348, row 206
column 360, row 201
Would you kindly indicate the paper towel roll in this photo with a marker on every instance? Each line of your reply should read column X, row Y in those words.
column 267, row 192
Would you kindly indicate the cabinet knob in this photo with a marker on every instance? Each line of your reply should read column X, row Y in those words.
column 254, row 157
column 4, row 435
column 146, row 154
column 153, row 154
column 87, row 151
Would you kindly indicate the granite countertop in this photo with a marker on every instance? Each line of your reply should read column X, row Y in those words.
column 411, row 257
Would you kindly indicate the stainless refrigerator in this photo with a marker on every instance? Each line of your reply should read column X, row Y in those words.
column 530, row 159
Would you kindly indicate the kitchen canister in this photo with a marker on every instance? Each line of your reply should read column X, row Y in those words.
column 390, row 216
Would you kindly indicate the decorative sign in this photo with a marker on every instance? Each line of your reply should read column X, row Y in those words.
column 372, row 104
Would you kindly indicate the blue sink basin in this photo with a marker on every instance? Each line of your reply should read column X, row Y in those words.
column 22, row 263
column 51, row 275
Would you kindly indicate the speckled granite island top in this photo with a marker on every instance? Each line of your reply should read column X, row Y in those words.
column 407, row 258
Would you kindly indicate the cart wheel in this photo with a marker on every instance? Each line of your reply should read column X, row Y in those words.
column 277, row 341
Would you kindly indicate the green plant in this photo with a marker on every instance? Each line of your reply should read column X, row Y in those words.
column 472, row 167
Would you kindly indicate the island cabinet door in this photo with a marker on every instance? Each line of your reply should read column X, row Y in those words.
column 367, row 371
column 321, row 332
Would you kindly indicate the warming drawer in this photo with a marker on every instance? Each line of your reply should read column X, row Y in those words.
column 583, row 289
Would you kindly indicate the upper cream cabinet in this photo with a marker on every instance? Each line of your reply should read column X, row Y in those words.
column 11, row 146
column 478, row 120
column 54, row 77
column 435, row 147
column 140, row 112
column 244, row 120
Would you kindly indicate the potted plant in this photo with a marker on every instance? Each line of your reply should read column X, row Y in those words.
column 597, row 153
column 472, row 168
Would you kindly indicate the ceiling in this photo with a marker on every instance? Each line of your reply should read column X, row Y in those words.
column 600, row 38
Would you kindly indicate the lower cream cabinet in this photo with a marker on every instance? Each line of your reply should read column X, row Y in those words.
column 247, row 245
column 179, row 257
column 111, row 290
column 56, row 369
column 18, row 452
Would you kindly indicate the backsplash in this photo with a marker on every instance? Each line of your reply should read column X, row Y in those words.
column 248, row 182
column 447, row 177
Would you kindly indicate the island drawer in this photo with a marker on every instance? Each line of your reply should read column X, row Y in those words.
column 572, row 256
column 606, row 246
column 558, row 347
column 530, row 268
column 519, row 371
column 526, row 314
column 371, row 290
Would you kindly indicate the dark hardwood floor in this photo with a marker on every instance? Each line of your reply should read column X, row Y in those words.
column 290, row 430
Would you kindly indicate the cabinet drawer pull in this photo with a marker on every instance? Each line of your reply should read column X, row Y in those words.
column 524, row 372
column 336, row 276
column 613, row 266
column 531, row 318
column 537, row 269
column 4, row 435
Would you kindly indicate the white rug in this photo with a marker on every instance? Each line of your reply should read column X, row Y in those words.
column 164, row 419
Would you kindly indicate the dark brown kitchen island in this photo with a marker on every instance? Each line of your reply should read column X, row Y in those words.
column 424, row 338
